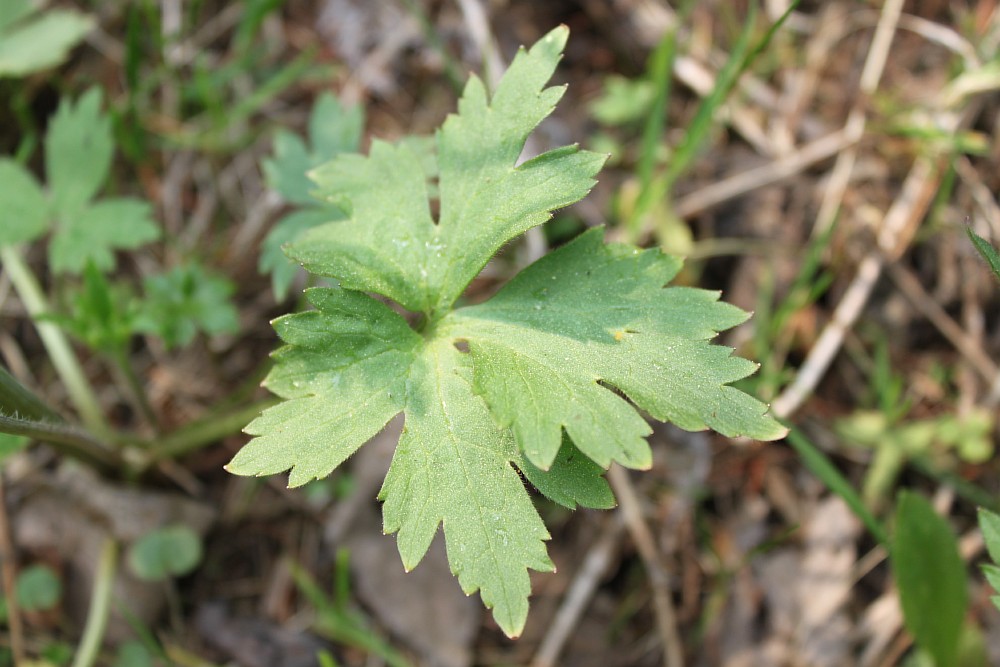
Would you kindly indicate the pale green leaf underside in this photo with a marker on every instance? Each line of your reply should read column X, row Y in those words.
column 391, row 245
column 572, row 480
column 24, row 212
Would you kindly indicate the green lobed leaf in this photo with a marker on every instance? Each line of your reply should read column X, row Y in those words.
column 24, row 214
column 485, row 198
column 93, row 233
column 39, row 42
column 286, row 171
column 344, row 373
column 78, row 149
column 543, row 380
column 930, row 575
column 334, row 128
column 589, row 317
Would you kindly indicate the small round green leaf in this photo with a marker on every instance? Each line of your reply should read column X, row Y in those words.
column 38, row 588
column 133, row 654
column 172, row 551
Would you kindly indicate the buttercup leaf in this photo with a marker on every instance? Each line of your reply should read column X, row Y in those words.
column 542, row 382
column 95, row 231
column 78, row 150
column 486, row 199
column 23, row 216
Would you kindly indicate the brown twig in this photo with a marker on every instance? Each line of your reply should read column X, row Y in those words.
column 878, row 54
column 631, row 513
column 775, row 171
column 8, row 571
column 578, row 596
column 905, row 213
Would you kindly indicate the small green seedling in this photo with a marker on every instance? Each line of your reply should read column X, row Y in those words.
column 100, row 314
column 944, row 440
column 165, row 553
column 187, row 299
column 78, row 151
column 543, row 382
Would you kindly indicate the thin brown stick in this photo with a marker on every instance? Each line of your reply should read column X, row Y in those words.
column 893, row 239
column 578, row 596
column 856, row 120
column 8, row 571
column 773, row 172
column 631, row 512
column 956, row 335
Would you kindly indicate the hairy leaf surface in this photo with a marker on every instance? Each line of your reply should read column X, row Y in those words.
column 344, row 375
column 453, row 466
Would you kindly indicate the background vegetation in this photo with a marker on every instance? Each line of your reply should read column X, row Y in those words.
column 817, row 167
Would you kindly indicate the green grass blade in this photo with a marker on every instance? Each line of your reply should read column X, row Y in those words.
column 741, row 57
column 930, row 575
column 987, row 251
column 660, row 66
column 822, row 467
